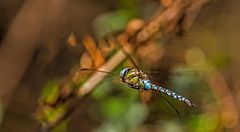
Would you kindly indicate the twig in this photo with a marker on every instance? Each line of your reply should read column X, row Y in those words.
column 163, row 20
column 97, row 77
column 192, row 13
column 229, row 112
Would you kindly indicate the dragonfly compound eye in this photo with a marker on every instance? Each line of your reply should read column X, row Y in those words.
column 123, row 72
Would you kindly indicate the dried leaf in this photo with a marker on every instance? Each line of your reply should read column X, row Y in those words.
column 93, row 51
column 72, row 41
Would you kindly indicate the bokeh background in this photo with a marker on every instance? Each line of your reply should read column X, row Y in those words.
column 43, row 43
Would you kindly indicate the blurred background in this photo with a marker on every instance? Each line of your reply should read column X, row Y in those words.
column 43, row 43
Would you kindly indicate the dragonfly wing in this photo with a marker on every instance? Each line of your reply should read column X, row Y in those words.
column 158, row 77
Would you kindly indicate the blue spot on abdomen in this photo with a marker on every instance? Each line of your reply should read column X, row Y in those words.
column 147, row 86
column 155, row 87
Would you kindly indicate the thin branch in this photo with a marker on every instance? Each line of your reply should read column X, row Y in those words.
column 97, row 77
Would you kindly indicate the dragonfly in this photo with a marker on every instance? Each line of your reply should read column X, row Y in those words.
column 137, row 79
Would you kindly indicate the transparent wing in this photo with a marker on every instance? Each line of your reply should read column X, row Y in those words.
column 162, row 76
column 158, row 77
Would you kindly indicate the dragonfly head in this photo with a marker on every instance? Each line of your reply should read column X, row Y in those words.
column 131, row 76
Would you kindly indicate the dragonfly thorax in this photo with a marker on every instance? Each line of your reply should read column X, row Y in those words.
column 132, row 77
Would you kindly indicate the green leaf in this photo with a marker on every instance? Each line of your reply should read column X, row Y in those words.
column 50, row 92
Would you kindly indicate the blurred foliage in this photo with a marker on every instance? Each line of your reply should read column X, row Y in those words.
column 62, row 127
column 50, row 110
column 50, row 92
column 117, row 20
column 201, row 123
column 221, row 60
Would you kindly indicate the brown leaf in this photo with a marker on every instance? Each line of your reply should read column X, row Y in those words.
column 93, row 51
column 72, row 41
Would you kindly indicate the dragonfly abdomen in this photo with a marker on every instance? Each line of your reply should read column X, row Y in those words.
column 149, row 86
